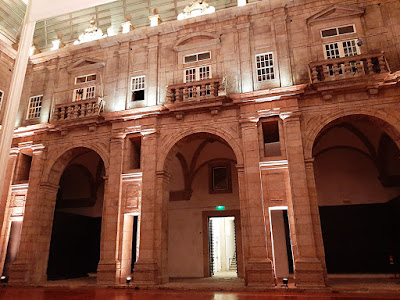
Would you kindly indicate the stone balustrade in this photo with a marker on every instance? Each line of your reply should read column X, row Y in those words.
column 348, row 67
column 195, row 91
column 78, row 109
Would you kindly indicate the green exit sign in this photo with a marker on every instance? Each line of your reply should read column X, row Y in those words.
column 220, row 207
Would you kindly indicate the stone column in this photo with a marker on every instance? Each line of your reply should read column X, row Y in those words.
column 10, row 107
column 308, row 267
column 258, row 267
column 245, row 57
column 152, row 75
column 109, row 267
column 4, row 206
column 312, row 191
column 148, row 267
column 31, row 262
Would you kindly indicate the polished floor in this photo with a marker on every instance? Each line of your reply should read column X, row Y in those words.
column 15, row 293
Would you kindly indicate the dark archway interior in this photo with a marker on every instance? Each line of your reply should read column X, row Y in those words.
column 357, row 173
column 75, row 240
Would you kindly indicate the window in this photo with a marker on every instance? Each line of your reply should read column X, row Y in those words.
column 197, row 57
column 138, row 87
column 220, row 178
column 84, row 93
column 1, row 97
column 341, row 49
column 338, row 31
column 85, row 78
column 198, row 73
column 35, row 105
column 272, row 146
column 265, row 67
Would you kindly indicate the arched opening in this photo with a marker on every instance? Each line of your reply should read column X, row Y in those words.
column 204, row 229
column 75, row 240
column 357, row 174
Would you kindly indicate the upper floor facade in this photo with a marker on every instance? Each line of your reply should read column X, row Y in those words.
column 268, row 45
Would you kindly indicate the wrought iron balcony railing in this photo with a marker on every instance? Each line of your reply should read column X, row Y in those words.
column 348, row 67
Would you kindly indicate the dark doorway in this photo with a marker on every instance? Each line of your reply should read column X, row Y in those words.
column 75, row 240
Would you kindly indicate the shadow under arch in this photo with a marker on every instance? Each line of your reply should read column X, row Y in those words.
column 356, row 207
column 386, row 121
column 171, row 144
column 58, row 162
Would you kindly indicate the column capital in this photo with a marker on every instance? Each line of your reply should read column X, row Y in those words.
column 163, row 175
column 290, row 116
column 38, row 149
column 248, row 122
column 49, row 187
column 118, row 135
column 14, row 152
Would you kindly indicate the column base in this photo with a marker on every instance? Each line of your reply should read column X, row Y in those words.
column 23, row 273
column 259, row 273
column 107, row 273
column 309, row 273
column 147, row 273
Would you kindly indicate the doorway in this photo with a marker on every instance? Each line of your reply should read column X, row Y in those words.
column 281, row 242
column 222, row 246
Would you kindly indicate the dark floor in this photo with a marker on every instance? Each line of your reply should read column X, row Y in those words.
column 15, row 293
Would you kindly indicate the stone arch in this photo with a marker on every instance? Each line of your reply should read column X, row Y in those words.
column 390, row 124
column 171, row 142
column 59, row 162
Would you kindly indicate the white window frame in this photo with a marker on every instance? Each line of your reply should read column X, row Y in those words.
column 197, row 73
column 34, row 111
column 86, row 78
column 266, row 67
column 197, row 57
column 341, row 48
column 85, row 94
column 337, row 31
column 138, row 83
column 1, row 98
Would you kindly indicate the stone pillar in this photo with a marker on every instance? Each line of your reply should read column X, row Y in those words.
column 308, row 267
column 152, row 75
column 109, row 267
column 123, row 82
column 148, row 267
column 258, row 267
column 312, row 191
column 4, row 206
column 245, row 62
column 31, row 262
column 10, row 107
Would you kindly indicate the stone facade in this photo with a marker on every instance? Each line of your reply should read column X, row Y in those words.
column 306, row 93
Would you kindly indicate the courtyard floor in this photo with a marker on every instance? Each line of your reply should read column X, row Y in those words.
column 16, row 293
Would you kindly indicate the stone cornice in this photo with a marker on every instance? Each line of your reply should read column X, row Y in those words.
column 8, row 50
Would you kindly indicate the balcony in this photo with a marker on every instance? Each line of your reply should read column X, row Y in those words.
column 78, row 110
column 195, row 91
column 348, row 67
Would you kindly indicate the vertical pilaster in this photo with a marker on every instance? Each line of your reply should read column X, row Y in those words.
column 31, row 262
column 152, row 77
column 109, row 267
column 258, row 267
column 123, row 83
column 308, row 267
column 147, row 269
column 282, row 43
column 312, row 191
column 4, row 206
column 245, row 65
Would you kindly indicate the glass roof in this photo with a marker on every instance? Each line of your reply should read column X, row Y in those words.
column 108, row 16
